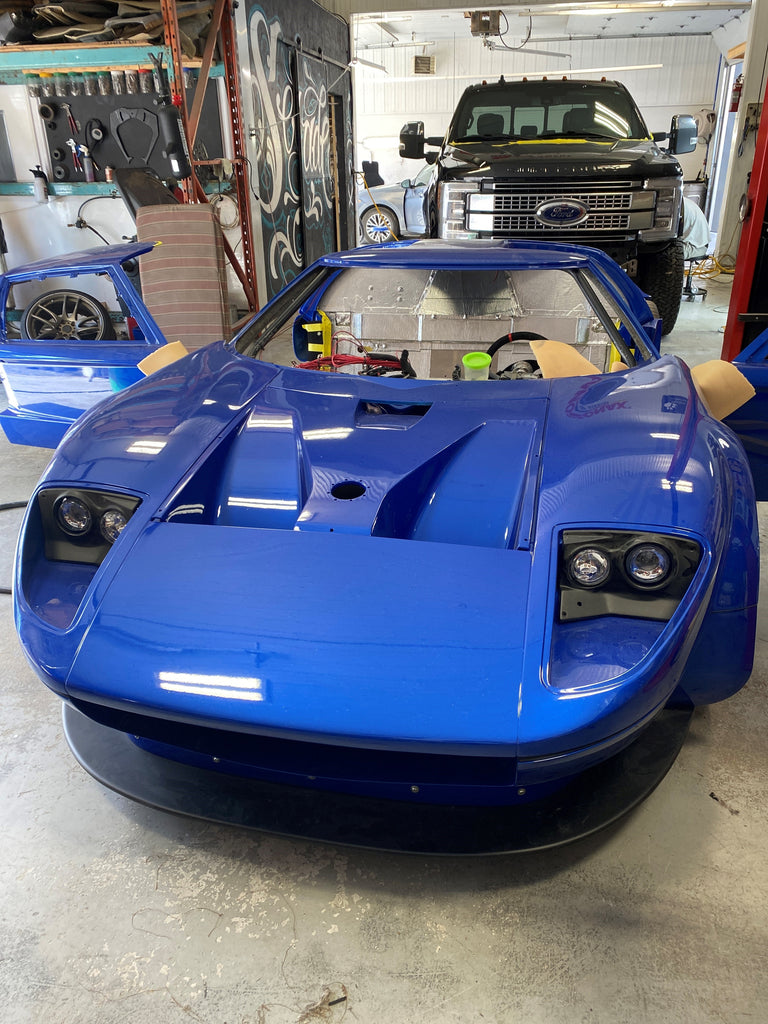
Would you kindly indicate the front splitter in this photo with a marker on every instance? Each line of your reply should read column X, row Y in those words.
column 591, row 801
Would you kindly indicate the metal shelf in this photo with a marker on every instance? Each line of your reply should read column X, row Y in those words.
column 16, row 60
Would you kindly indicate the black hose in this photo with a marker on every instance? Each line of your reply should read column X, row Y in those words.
column 6, row 507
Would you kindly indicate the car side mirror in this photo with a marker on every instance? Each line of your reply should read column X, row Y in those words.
column 406, row 183
column 683, row 134
column 412, row 140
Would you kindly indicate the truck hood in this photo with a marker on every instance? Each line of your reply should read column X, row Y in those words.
column 558, row 159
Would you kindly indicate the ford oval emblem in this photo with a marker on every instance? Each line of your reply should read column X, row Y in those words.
column 566, row 213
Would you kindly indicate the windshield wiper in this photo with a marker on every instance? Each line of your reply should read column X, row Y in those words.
column 586, row 135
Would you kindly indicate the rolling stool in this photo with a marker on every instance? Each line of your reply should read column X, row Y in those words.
column 690, row 291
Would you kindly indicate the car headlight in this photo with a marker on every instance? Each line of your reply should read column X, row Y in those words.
column 81, row 525
column 624, row 572
column 589, row 567
column 73, row 515
column 648, row 565
column 112, row 524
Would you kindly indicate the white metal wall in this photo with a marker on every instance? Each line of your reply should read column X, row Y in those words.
column 383, row 103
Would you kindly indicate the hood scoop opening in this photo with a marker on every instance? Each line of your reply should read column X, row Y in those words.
column 389, row 415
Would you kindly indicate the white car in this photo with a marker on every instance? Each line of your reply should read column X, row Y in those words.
column 389, row 212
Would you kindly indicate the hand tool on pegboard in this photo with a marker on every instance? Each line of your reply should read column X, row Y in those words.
column 70, row 119
column 75, row 158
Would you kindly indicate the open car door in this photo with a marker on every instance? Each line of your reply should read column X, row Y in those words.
column 64, row 358
column 750, row 422
column 414, row 202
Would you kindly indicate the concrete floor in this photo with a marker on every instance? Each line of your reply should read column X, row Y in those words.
column 113, row 912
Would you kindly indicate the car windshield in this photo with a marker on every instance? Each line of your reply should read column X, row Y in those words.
column 362, row 320
column 532, row 110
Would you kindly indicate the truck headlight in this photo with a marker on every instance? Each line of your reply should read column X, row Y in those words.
column 452, row 203
column 668, row 201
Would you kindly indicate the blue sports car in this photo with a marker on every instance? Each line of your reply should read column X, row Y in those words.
column 318, row 581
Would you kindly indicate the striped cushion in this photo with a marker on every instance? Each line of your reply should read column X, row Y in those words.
column 183, row 281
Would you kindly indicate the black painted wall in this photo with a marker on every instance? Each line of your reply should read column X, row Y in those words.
column 298, row 56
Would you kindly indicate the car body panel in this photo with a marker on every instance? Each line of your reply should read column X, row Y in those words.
column 49, row 384
column 750, row 422
column 355, row 571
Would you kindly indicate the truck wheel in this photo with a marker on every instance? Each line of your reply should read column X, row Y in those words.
column 379, row 225
column 661, row 274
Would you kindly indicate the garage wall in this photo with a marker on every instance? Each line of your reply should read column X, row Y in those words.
column 384, row 102
column 297, row 56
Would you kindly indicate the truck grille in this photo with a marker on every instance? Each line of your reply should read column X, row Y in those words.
column 507, row 210
column 524, row 202
column 528, row 223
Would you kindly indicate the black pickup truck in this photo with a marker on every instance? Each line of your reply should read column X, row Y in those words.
column 566, row 160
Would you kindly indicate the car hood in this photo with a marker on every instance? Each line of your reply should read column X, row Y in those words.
column 364, row 559
column 558, row 160
column 341, row 506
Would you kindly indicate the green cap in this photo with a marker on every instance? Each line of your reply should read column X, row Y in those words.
column 476, row 360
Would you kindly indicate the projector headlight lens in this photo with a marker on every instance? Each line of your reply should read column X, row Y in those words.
column 648, row 564
column 73, row 515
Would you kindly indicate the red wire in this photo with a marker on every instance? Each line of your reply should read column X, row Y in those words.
column 340, row 359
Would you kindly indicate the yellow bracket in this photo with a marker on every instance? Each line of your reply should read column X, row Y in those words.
column 324, row 327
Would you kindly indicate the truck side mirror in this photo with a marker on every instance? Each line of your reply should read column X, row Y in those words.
column 412, row 140
column 683, row 134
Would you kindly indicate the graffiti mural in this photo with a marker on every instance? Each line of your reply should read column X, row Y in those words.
column 316, row 181
column 277, row 169
column 291, row 177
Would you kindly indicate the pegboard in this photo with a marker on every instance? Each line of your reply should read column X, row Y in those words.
column 127, row 141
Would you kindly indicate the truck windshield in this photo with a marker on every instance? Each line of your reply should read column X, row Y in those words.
column 533, row 110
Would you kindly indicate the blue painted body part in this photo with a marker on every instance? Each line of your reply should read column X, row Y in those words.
column 360, row 579
column 50, row 384
column 750, row 422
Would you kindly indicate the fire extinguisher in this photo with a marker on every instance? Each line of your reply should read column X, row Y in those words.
column 738, row 85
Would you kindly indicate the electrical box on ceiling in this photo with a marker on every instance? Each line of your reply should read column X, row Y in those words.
column 485, row 23
column 423, row 64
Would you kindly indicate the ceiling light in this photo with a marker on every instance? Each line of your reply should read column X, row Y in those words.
column 377, row 19
column 597, row 9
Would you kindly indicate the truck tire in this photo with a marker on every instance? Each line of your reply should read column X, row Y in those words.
column 661, row 274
